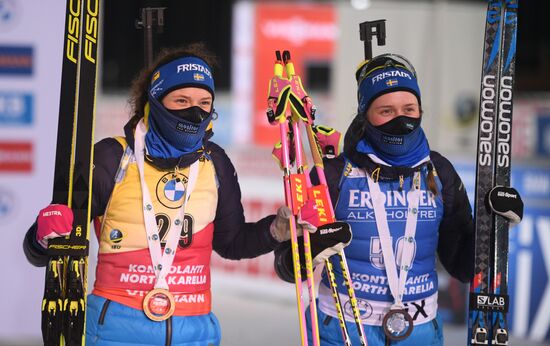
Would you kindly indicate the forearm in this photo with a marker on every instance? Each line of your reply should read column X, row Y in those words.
column 243, row 240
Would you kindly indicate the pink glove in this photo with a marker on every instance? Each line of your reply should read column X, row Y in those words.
column 56, row 220
column 329, row 140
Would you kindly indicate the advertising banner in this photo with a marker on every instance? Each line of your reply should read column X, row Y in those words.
column 31, row 35
column 308, row 31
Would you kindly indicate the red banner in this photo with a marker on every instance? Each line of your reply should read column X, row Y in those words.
column 15, row 157
column 308, row 31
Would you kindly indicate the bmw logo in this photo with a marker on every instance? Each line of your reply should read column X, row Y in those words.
column 171, row 189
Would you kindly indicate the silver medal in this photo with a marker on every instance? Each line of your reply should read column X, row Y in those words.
column 397, row 324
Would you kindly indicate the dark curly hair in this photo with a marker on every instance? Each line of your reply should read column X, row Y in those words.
column 140, row 85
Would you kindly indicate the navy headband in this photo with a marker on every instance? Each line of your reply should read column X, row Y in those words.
column 383, row 81
column 183, row 72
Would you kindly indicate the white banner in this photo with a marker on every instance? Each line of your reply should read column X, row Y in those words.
column 31, row 36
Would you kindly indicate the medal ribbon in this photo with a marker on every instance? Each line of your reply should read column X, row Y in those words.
column 161, row 262
column 397, row 284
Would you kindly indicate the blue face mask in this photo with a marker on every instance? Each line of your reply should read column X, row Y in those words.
column 173, row 133
column 406, row 145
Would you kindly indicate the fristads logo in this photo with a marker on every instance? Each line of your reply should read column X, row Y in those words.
column 16, row 108
column 388, row 74
column 194, row 67
column 16, row 157
column 16, row 60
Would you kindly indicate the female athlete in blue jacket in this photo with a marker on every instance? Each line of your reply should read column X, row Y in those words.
column 406, row 206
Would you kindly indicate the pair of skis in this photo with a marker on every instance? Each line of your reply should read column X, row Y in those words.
column 290, row 107
column 487, row 324
column 64, row 301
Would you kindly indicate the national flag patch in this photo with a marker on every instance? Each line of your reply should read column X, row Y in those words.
column 391, row 82
column 198, row 76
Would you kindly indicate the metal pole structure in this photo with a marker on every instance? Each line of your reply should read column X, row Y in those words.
column 151, row 18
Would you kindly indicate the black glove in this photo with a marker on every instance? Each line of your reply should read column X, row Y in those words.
column 326, row 241
column 507, row 202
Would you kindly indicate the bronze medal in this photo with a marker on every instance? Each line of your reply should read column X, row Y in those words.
column 159, row 304
column 397, row 324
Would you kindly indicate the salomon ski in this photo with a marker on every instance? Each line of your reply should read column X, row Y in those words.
column 64, row 302
column 499, row 325
column 487, row 323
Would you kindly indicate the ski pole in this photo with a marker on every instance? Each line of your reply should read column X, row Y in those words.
column 300, row 168
column 307, row 117
column 318, row 161
column 278, row 113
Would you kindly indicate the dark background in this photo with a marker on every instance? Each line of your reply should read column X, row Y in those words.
column 210, row 21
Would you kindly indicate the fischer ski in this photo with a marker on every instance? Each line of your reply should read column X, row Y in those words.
column 487, row 324
column 64, row 302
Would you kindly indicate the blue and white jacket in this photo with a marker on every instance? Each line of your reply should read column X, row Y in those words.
column 445, row 230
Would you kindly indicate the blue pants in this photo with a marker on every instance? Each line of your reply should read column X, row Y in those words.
column 426, row 334
column 123, row 325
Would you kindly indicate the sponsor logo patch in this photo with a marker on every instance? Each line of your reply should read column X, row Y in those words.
column 16, row 156
column 191, row 129
column 16, row 60
column 170, row 190
column 16, row 108
column 365, row 309
column 115, row 236
column 489, row 302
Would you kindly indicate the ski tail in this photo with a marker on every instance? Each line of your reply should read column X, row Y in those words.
column 64, row 304
column 479, row 327
column 499, row 326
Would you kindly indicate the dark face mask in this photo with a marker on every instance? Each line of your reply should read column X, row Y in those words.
column 401, row 125
column 193, row 114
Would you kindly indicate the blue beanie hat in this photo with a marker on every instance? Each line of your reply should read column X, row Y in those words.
column 189, row 71
column 385, row 78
